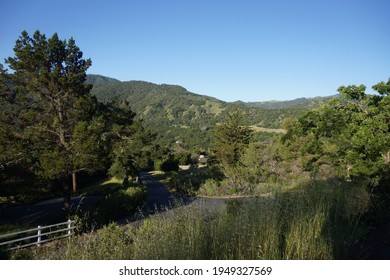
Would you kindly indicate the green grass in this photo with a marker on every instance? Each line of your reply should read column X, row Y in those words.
column 102, row 186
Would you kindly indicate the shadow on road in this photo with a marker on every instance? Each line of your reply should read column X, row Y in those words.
column 46, row 211
column 160, row 200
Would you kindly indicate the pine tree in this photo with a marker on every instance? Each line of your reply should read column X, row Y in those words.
column 231, row 138
column 56, row 113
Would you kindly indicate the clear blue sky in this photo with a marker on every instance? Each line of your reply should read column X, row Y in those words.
column 232, row 50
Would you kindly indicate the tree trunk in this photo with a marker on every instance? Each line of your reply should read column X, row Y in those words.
column 74, row 181
column 67, row 200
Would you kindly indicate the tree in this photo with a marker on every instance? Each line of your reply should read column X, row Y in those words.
column 231, row 138
column 56, row 113
column 130, row 141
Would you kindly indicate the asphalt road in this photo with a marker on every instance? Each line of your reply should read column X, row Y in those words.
column 35, row 214
column 159, row 198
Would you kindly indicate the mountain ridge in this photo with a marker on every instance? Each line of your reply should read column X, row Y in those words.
column 311, row 102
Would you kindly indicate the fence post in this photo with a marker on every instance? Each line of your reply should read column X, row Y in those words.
column 69, row 227
column 39, row 236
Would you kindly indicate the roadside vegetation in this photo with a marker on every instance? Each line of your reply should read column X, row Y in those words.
column 316, row 222
column 116, row 205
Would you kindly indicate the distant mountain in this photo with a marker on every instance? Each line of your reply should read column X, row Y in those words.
column 180, row 116
column 305, row 103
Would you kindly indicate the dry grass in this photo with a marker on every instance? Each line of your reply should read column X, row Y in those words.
column 269, row 130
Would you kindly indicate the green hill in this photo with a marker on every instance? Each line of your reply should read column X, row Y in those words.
column 180, row 117
column 171, row 111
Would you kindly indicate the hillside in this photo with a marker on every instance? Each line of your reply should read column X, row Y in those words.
column 99, row 80
column 179, row 116
column 171, row 111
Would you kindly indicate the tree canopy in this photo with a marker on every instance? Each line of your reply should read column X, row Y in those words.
column 350, row 133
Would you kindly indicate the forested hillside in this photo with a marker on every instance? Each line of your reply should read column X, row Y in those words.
column 180, row 117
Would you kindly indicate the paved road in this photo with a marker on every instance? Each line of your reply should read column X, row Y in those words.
column 160, row 201
column 159, row 198
column 34, row 214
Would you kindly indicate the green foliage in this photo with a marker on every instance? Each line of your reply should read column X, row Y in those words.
column 351, row 134
column 52, row 105
column 230, row 139
column 183, row 158
column 131, row 150
column 115, row 205
column 299, row 103
column 52, row 127
column 175, row 114
column 188, row 182
column 210, row 188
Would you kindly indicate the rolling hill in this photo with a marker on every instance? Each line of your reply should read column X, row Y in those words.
column 180, row 116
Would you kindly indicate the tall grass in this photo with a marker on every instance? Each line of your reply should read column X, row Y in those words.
column 310, row 224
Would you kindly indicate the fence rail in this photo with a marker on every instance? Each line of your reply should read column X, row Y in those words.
column 20, row 239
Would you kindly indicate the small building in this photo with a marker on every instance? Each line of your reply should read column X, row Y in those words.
column 202, row 160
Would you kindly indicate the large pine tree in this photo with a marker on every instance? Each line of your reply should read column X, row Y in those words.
column 52, row 110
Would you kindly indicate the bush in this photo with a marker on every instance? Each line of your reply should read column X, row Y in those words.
column 169, row 165
column 211, row 187
column 116, row 205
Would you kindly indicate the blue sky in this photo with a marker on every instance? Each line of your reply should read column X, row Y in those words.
column 232, row 50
